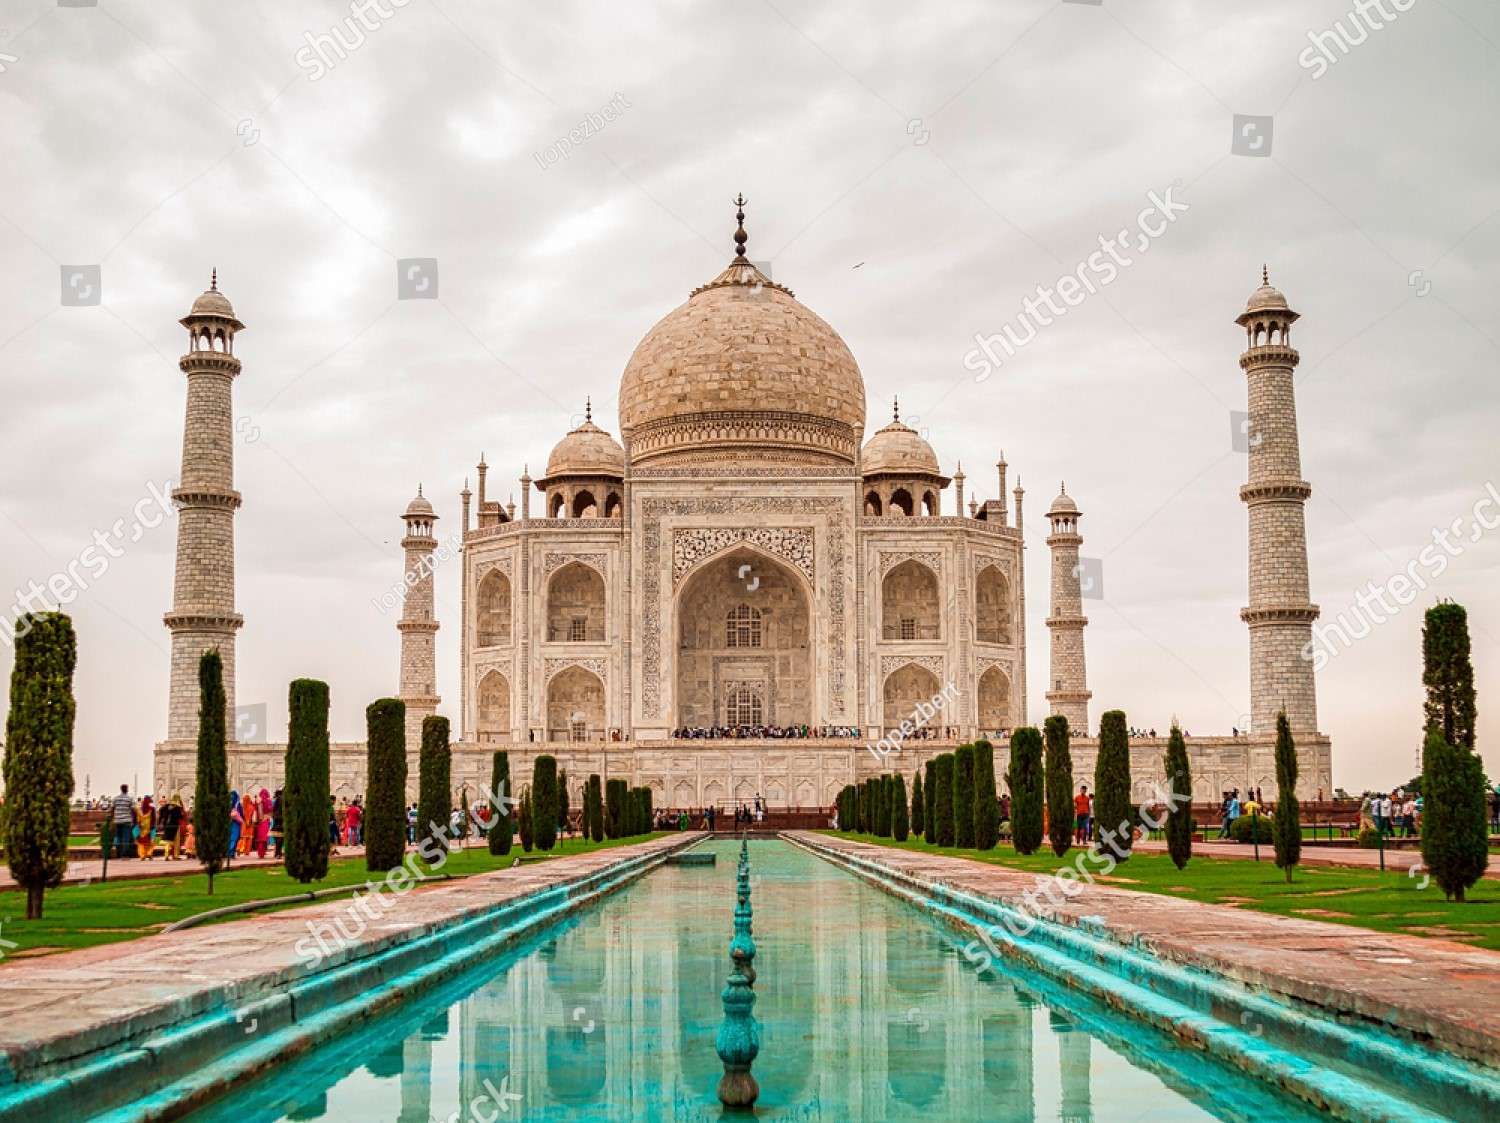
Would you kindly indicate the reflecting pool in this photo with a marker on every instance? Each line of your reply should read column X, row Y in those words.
column 869, row 1012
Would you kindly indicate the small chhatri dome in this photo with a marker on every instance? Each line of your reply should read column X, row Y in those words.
column 742, row 371
column 1267, row 297
column 898, row 449
column 1063, row 504
column 587, row 451
column 213, row 302
column 419, row 507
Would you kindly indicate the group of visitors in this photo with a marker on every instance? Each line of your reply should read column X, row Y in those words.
column 762, row 732
column 255, row 821
column 1395, row 814
column 137, row 828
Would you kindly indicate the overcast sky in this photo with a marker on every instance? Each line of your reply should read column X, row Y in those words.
column 913, row 171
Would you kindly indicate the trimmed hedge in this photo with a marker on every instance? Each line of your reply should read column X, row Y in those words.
column 1059, row 769
column 963, row 797
column 211, row 790
column 305, row 797
column 1024, row 778
column 986, row 803
column 435, row 782
column 502, row 819
column 943, row 809
column 544, row 802
column 385, row 798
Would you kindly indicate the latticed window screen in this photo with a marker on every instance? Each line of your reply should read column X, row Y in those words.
column 744, row 708
column 580, row 730
column 908, row 628
column 578, row 629
column 743, row 628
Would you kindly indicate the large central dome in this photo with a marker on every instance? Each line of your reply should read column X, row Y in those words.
column 742, row 371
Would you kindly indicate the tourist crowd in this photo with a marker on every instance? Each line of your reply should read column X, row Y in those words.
column 761, row 732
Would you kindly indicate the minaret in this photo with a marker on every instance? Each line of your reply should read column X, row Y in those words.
column 958, row 489
column 418, row 625
column 1279, row 614
column 1069, row 693
column 203, row 614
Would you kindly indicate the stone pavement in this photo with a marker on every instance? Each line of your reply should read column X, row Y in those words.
column 1313, row 855
column 88, row 870
column 59, row 1011
column 1427, row 989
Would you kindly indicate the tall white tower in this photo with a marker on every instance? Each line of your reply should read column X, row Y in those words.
column 203, row 615
column 418, row 625
column 1279, row 615
column 1069, row 693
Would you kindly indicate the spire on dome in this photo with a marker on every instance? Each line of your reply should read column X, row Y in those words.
column 740, row 237
column 588, row 409
column 895, row 408
column 213, row 283
column 1265, row 274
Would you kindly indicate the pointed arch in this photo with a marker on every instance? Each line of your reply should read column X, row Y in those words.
column 904, row 687
column 992, row 621
column 994, row 700
column 873, row 505
column 910, row 603
column 575, row 705
column 901, row 503
column 575, row 605
column 493, row 622
column 494, row 707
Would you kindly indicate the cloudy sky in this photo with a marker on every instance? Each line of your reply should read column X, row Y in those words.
column 914, row 173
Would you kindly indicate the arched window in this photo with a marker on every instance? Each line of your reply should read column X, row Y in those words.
column 930, row 504
column 992, row 606
column 612, row 505
column 584, row 506
column 901, row 502
column 494, row 609
column 743, row 627
column 555, row 505
column 743, row 708
column 872, row 503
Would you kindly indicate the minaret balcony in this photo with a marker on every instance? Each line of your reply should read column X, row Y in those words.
column 224, row 497
column 216, row 362
column 1067, row 621
column 417, row 625
column 201, row 619
column 1276, row 491
column 1270, row 355
column 1264, row 615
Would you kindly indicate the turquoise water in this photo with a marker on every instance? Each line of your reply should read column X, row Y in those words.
column 869, row 1012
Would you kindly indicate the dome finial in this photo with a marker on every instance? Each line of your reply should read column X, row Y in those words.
column 1064, row 487
column 895, row 408
column 213, row 284
column 588, row 409
column 419, row 491
column 1265, row 274
column 740, row 237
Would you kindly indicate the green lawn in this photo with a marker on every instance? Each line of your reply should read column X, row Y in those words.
column 76, row 916
column 1386, row 902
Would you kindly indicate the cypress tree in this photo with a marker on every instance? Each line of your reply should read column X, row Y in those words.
column 434, row 780
column 1024, row 778
column 900, row 824
column 211, row 790
column 1455, row 843
column 648, row 811
column 1179, row 814
column 883, row 812
column 943, row 805
column 614, row 808
column 1455, row 828
column 849, row 815
column 1059, row 769
column 596, row 814
column 385, row 811
column 1448, row 674
column 544, row 801
column 305, row 798
column 502, row 823
column 464, row 810
column 916, row 805
column 524, row 824
column 866, row 826
column 39, row 754
column 986, row 808
column 963, row 797
column 1112, row 783
column 1287, row 825
column 929, row 802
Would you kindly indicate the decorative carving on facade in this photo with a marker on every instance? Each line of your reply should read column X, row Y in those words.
column 502, row 562
column 652, row 511
column 984, row 663
column 930, row 558
column 892, row 663
column 554, row 562
column 792, row 544
column 983, row 561
column 599, row 667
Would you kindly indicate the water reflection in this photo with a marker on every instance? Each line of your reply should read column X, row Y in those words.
column 869, row 1012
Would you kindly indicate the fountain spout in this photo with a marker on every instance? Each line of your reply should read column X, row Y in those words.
column 738, row 1039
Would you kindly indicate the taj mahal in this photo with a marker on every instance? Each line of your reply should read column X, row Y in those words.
column 741, row 593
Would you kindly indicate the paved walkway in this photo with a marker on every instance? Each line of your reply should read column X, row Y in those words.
column 1313, row 855
column 89, row 870
column 1430, row 989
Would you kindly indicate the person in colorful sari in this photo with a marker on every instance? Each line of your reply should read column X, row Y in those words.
column 263, row 823
column 278, row 823
column 170, row 825
column 236, row 823
column 145, row 824
column 247, row 836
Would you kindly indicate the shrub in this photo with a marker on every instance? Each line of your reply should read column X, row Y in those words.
column 524, row 823
column 1448, row 674
column 385, row 798
column 596, row 814
column 1059, row 769
column 1112, row 805
column 1024, row 778
column 1455, row 828
column 564, row 809
column 900, row 825
column 502, row 821
column 39, row 754
column 916, row 805
column 1287, row 821
column 1252, row 828
column 944, row 803
column 435, row 781
column 544, row 802
column 1180, row 825
column 211, row 789
column 1369, row 839
column 986, row 808
column 963, row 797
column 614, row 808
column 929, row 802
column 305, row 798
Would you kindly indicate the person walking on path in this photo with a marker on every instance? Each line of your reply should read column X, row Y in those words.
column 263, row 823
column 236, row 823
column 122, row 814
column 278, row 827
column 145, row 836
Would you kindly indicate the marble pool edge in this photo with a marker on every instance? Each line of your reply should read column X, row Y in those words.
column 155, row 1027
